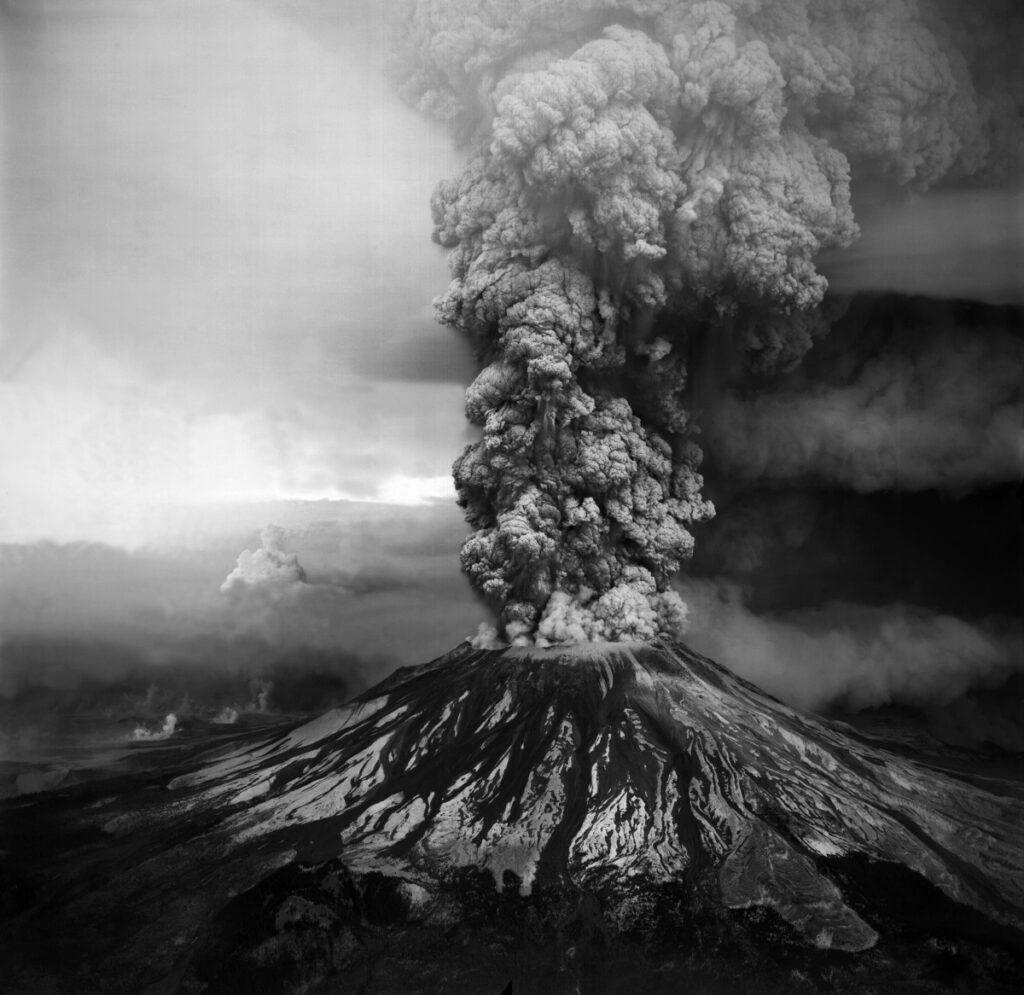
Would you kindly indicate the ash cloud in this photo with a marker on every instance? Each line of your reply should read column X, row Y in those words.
column 853, row 656
column 794, row 548
column 966, row 244
column 648, row 189
column 985, row 717
column 932, row 408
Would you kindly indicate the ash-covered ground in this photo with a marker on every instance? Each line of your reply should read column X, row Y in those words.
column 588, row 820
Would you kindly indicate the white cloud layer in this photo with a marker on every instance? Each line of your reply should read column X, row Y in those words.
column 204, row 205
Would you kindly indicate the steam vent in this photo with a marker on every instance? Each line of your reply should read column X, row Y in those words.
column 562, row 800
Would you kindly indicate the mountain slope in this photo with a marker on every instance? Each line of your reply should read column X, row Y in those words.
column 597, row 818
column 612, row 768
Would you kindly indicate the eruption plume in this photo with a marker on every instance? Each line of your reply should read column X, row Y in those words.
column 645, row 177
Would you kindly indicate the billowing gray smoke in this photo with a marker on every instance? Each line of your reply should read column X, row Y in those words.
column 933, row 408
column 652, row 180
column 853, row 656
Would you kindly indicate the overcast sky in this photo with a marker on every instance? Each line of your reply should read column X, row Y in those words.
column 218, row 269
column 216, row 285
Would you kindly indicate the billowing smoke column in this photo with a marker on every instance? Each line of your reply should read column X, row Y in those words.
column 648, row 177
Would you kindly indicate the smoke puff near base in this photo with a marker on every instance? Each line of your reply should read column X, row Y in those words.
column 164, row 732
column 269, row 565
column 642, row 179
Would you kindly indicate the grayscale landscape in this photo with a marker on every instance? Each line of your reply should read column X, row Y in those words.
column 512, row 497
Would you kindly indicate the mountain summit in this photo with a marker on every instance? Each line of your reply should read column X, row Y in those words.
column 594, row 796
column 613, row 768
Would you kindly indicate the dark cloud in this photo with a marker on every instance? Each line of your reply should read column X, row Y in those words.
column 793, row 548
column 935, row 404
column 647, row 191
column 985, row 717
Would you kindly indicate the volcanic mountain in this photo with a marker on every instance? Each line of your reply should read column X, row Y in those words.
column 608, row 790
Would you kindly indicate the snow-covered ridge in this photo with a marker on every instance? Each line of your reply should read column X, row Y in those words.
column 615, row 767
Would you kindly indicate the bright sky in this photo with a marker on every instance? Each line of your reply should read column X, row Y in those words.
column 217, row 268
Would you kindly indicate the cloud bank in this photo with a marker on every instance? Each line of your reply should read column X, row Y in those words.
column 853, row 656
column 952, row 244
column 934, row 407
column 346, row 588
column 204, row 203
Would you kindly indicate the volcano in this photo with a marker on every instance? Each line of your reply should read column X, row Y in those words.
column 576, row 798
